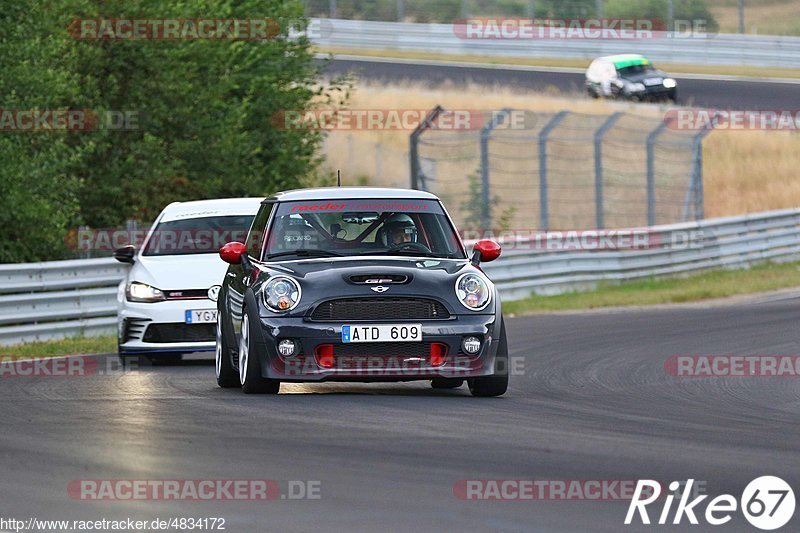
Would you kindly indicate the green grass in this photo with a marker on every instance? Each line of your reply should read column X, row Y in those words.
column 73, row 346
column 711, row 284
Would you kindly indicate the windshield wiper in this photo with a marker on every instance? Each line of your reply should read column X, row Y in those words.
column 305, row 253
column 413, row 253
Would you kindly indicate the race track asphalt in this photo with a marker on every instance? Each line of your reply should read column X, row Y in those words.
column 590, row 400
column 729, row 93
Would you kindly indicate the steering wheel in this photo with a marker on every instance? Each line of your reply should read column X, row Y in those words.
column 414, row 246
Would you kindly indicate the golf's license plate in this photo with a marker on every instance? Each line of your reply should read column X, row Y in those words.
column 201, row 316
column 382, row 333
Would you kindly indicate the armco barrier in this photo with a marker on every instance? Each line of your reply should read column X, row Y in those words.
column 41, row 301
column 714, row 49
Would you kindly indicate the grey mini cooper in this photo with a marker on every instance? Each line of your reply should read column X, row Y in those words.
column 358, row 284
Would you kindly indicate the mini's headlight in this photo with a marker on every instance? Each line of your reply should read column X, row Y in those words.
column 473, row 292
column 281, row 294
column 141, row 292
column 637, row 87
column 669, row 83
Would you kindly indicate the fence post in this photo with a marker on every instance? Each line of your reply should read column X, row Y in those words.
column 401, row 10
column 417, row 179
column 486, row 132
column 598, row 166
column 332, row 9
column 651, row 173
column 543, row 214
column 697, row 172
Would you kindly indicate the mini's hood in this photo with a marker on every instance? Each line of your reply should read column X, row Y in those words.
column 176, row 272
column 323, row 279
column 312, row 268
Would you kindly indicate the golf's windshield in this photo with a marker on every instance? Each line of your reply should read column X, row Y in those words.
column 201, row 235
column 634, row 70
column 333, row 228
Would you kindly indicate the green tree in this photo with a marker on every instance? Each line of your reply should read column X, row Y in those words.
column 204, row 112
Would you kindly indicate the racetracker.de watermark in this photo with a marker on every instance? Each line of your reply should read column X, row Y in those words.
column 61, row 367
column 590, row 240
column 732, row 366
column 39, row 120
column 187, row 240
column 253, row 29
column 391, row 119
column 536, row 29
column 194, row 489
column 699, row 119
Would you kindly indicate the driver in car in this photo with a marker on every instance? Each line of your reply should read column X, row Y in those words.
column 401, row 229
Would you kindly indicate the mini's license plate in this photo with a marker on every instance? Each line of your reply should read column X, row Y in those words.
column 201, row 316
column 382, row 333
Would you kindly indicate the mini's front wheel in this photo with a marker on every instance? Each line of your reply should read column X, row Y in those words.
column 250, row 366
column 497, row 383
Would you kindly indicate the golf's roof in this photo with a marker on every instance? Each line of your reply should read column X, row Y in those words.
column 349, row 193
column 627, row 60
column 212, row 208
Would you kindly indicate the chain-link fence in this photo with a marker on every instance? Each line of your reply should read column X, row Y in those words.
column 561, row 170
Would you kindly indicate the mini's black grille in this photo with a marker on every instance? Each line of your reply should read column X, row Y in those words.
column 180, row 332
column 383, row 349
column 133, row 328
column 355, row 309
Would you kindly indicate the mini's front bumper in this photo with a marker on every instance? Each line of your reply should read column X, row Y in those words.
column 372, row 365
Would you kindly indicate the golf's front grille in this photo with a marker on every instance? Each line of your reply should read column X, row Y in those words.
column 187, row 294
column 374, row 308
column 180, row 332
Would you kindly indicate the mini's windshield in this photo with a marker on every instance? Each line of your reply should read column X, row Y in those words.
column 203, row 235
column 635, row 70
column 362, row 227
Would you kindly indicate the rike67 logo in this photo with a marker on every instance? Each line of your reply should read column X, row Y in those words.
column 767, row 503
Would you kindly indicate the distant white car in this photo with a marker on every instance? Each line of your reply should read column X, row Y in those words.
column 167, row 303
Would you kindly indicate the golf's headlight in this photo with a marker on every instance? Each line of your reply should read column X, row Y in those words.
column 141, row 292
column 473, row 292
column 281, row 294
column 669, row 83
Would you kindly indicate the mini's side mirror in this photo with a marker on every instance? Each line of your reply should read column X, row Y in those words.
column 485, row 251
column 125, row 254
column 232, row 252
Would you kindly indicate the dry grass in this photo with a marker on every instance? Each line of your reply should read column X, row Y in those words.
column 764, row 17
column 745, row 171
column 751, row 171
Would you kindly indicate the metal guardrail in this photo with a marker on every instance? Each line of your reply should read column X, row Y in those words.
column 57, row 299
column 40, row 301
column 713, row 49
column 735, row 242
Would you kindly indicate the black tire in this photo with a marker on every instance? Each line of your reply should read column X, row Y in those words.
column 496, row 384
column 592, row 93
column 250, row 364
column 227, row 376
column 446, row 383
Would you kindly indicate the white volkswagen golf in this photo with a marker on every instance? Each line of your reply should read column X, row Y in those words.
column 167, row 303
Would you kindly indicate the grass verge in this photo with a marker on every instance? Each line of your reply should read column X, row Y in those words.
column 704, row 286
column 77, row 345
column 672, row 68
